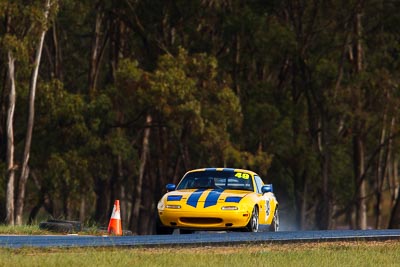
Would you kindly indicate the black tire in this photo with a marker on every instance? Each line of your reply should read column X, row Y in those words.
column 253, row 224
column 77, row 225
column 185, row 231
column 57, row 227
column 274, row 227
column 161, row 229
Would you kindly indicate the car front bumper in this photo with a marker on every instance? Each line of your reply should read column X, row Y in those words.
column 224, row 219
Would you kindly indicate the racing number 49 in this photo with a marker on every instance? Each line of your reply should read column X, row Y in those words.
column 242, row 175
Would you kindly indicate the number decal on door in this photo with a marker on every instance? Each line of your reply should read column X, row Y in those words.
column 267, row 207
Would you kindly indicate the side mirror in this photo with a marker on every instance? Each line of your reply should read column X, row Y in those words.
column 170, row 187
column 267, row 188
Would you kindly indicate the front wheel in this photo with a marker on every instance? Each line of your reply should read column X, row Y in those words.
column 185, row 231
column 161, row 229
column 274, row 227
column 252, row 226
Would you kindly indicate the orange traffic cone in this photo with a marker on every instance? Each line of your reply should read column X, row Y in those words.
column 115, row 227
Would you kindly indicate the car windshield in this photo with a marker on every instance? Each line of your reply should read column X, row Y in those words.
column 217, row 180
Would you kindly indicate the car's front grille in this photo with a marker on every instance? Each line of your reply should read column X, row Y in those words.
column 203, row 221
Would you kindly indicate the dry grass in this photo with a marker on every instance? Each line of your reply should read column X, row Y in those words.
column 273, row 247
column 356, row 253
column 298, row 254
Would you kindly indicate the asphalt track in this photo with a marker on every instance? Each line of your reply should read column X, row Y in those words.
column 197, row 239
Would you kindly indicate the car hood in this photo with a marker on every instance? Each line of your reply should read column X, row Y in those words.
column 210, row 197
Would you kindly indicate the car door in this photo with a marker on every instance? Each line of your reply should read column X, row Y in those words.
column 264, row 201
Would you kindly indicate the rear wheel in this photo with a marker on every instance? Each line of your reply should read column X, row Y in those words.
column 274, row 227
column 252, row 226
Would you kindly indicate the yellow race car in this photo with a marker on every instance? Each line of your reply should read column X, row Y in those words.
column 218, row 199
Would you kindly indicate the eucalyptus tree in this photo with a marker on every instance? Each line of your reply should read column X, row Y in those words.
column 191, row 111
column 300, row 73
column 134, row 93
column 10, row 141
column 32, row 93
column 17, row 37
column 10, row 42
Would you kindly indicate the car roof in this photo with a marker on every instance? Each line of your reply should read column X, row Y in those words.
column 223, row 170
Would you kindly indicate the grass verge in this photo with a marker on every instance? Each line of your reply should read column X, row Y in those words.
column 360, row 253
column 21, row 230
column 35, row 230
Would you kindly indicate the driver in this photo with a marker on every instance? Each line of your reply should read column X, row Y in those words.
column 204, row 182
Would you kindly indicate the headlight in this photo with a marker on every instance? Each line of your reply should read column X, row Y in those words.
column 160, row 205
column 229, row 208
column 173, row 206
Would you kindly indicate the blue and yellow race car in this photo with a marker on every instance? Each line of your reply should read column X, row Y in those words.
column 218, row 199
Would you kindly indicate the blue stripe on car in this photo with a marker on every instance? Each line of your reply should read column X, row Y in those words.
column 220, row 169
column 212, row 198
column 233, row 199
column 194, row 197
column 174, row 198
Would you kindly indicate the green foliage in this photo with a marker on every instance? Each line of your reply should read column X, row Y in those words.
column 268, row 86
column 15, row 46
column 185, row 93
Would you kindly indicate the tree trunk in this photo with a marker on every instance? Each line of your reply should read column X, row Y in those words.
column 324, row 150
column 143, row 160
column 32, row 91
column 122, row 191
column 300, row 198
column 361, row 202
column 95, row 53
column 303, row 211
column 393, row 179
column 379, row 177
column 237, row 65
column 98, row 48
column 396, row 182
column 394, row 222
column 40, row 202
column 102, row 207
column 82, row 209
column 10, row 142
column 358, row 140
column 65, row 200
column 58, row 73
column 116, row 45
column 145, row 226
column 383, row 170
column 3, row 118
